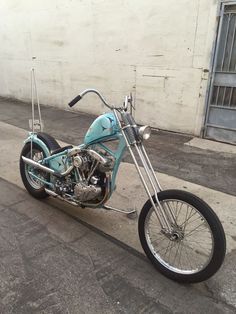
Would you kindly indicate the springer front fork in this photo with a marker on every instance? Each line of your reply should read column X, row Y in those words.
column 151, row 184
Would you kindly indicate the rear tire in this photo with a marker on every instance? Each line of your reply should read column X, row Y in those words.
column 35, row 189
column 178, row 252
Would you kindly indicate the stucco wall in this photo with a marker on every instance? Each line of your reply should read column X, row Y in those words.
column 160, row 50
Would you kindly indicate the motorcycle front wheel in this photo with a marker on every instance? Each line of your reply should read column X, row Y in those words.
column 194, row 249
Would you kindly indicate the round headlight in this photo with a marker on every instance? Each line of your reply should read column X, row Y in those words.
column 144, row 132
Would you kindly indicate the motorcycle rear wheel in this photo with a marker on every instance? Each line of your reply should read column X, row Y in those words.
column 195, row 249
column 32, row 185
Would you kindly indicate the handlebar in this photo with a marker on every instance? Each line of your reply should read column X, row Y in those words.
column 74, row 101
column 86, row 91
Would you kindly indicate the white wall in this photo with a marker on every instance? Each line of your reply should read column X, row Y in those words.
column 157, row 49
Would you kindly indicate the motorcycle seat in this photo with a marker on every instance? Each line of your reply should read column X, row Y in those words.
column 61, row 149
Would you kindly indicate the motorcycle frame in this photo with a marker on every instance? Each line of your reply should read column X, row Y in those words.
column 49, row 160
column 148, row 178
column 165, row 216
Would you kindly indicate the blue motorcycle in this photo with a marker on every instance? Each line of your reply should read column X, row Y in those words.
column 180, row 234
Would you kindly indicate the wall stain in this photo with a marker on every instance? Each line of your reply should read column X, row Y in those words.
column 155, row 55
column 160, row 76
column 59, row 43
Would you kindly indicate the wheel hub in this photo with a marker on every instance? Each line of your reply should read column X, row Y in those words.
column 176, row 234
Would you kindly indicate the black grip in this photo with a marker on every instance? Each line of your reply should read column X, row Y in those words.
column 74, row 101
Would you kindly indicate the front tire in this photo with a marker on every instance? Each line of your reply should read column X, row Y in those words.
column 34, row 187
column 195, row 249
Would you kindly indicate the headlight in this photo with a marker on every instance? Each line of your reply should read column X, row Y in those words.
column 144, row 132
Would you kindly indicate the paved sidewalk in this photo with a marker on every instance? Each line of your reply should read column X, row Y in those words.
column 168, row 152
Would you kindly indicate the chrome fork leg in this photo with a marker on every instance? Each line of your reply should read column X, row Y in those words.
column 160, row 218
column 150, row 166
column 169, row 210
column 160, row 213
column 164, row 222
column 167, row 215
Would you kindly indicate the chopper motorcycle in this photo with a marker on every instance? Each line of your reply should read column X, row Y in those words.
column 180, row 234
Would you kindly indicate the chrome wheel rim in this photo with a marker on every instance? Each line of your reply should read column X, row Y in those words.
column 189, row 248
column 34, row 182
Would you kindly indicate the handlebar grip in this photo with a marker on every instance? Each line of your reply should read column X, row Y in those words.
column 74, row 101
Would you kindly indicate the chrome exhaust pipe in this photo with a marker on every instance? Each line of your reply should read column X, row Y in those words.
column 55, row 195
column 52, row 193
column 41, row 167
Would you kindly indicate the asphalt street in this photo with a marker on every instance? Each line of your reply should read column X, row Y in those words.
column 52, row 263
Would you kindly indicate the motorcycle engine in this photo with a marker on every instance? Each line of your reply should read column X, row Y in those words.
column 91, row 168
column 84, row 192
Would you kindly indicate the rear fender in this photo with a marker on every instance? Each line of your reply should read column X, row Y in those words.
column 33, row 137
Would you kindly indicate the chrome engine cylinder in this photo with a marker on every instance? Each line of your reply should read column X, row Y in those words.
column 85, row 192
column 78, row 161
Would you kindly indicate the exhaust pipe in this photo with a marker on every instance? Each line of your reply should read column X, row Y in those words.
column 54, row 194
column 46, row 169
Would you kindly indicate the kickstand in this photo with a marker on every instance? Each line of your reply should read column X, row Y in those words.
column 132, row 214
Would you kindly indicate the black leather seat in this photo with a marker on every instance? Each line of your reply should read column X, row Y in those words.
column 51, row 143
column 61, row 149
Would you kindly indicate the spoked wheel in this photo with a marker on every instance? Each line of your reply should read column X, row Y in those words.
column 29, row 174
column 194, row 249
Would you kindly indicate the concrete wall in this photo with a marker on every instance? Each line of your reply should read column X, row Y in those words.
column 160, row 50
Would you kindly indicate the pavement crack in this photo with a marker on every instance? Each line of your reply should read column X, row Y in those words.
column 91, row 260
column 79, row 238
column 49, row 248
column 9, row 206
column 209, row 291
column 212, row 297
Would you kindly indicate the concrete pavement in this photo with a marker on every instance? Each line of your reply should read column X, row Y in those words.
column 221, row 287
column 51, row 263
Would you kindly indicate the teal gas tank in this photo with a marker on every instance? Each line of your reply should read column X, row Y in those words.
column 104, row 127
